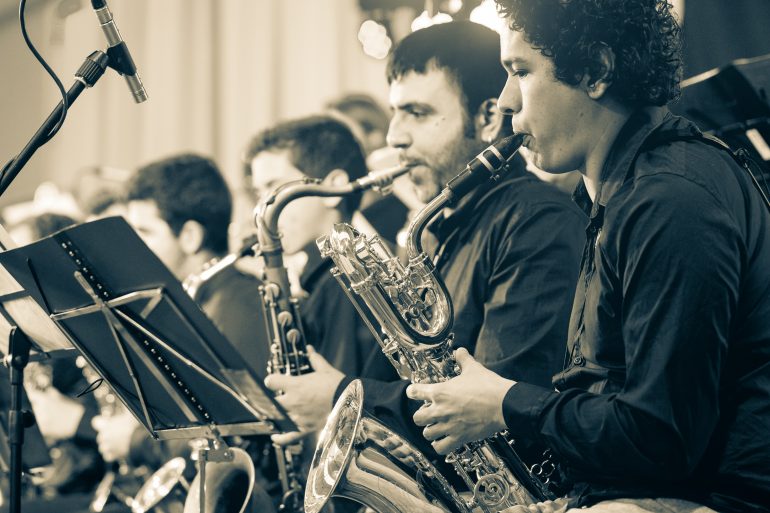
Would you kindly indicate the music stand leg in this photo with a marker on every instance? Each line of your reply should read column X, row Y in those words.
column 19, row 346
column 203, row 452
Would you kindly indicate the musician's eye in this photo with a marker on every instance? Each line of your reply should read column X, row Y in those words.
column 415, row 113
column 521, row 73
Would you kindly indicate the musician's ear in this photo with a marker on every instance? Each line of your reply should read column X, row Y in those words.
column 335, row 178
column 191, row 237
column 489, row 120
column 598, row 78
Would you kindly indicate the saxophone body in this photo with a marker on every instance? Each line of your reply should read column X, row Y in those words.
column 288, row 345
column 410, row 313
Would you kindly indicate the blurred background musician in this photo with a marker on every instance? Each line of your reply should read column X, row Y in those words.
column 324, row 148
column 180, row 206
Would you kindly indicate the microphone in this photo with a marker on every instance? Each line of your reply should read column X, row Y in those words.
column 120, row 57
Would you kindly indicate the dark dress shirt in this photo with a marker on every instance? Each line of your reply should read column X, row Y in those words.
column 666, row 386
column 509, row 255
column 232, row 301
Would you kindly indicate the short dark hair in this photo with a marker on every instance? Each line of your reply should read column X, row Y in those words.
column 187, row 188
column 468, row 52
column 316, row 145
column 49, row 223
column 643, row 35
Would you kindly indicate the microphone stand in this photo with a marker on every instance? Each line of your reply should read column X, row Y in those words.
column 18, row 419
column 87, row 75
column 89, row 72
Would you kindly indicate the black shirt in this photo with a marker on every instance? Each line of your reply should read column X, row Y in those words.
column 509, row 255
column 666, row 387
column 232, row 301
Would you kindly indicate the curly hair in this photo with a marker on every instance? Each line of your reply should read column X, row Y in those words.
column 643, row 35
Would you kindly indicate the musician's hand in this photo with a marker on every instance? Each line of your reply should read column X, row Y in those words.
column 557, row 506
column 113, row 434
column 464, row 409
column 57, row 415
column 308, row 399
column 289, row 438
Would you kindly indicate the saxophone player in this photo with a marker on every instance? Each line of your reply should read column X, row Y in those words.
column 663, row 403
column 324, row 148
column 509, row 253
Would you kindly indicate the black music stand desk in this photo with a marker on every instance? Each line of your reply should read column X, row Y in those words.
column 128, row 315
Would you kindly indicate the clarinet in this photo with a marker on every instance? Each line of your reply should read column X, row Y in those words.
column 288, row 345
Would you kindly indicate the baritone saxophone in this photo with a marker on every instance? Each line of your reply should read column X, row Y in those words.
column 410, row 313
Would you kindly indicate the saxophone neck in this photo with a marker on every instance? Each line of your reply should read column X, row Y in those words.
column 420, row 221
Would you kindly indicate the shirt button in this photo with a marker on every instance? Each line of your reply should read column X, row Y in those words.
column 578, row 360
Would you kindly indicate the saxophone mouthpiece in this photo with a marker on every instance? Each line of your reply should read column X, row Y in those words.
column 381, row 179
column 487, row 165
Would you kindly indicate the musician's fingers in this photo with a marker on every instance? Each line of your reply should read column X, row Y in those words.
column 98, row 423
column 277, row 382
column 288, row 438
column 419, row 392
column 434, row 432
column 424, row 416
column 445, row 445
column 463, row 358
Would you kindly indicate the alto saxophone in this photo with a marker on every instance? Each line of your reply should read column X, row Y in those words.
column 413, row 310
column 288, row 347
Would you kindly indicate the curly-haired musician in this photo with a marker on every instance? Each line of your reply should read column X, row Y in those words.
column 664, row 400
column 509, row 253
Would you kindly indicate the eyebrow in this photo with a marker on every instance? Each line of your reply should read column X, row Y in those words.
column 515, row 61
column 411, row 106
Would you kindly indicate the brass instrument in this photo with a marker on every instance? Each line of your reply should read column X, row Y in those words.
column 193, row 283
column 359, row 458
column 412, row 308
column 288, row 348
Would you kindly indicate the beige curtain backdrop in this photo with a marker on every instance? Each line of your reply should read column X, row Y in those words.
column 216, row 71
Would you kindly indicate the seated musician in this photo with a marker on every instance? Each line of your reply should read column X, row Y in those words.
column 181, row 208
column 664, row 400
column 319, row 147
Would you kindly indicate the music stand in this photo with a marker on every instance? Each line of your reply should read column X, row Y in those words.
column 733, row 103
column 132, row 321
column 18, row 349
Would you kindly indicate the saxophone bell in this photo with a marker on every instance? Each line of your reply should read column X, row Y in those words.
column 361, row 459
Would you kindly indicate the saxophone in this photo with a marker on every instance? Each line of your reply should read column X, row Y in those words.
column 413, row 309
column 288, row 347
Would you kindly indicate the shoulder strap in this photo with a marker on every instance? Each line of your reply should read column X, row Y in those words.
column 741, row 156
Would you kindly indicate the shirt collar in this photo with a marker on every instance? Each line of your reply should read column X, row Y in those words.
column 621, row 156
